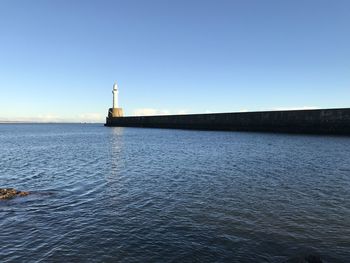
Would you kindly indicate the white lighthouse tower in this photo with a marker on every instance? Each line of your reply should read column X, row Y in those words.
column 115, row 95
column 115, row 111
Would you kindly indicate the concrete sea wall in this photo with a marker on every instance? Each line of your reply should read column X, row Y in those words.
column 324, row 121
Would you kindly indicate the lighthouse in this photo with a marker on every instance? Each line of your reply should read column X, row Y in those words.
column 115, row 95
column 115, row 111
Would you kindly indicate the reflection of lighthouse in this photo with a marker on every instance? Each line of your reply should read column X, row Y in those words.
column 115, row 111
column 115, row 95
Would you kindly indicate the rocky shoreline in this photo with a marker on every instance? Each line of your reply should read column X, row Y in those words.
column 9, row 193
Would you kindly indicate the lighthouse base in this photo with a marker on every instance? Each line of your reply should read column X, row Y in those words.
column 115, row 112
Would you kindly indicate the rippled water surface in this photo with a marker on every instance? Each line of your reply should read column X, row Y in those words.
column 151, row 195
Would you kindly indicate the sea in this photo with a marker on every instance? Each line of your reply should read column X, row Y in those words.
column 101, row 194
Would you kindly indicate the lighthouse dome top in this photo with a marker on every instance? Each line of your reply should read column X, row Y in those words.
column 115, row 86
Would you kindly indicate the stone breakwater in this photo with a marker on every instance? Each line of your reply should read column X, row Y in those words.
column 9, row 193
column 324, row 121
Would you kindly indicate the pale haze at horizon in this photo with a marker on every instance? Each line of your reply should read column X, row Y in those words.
column 59, row 59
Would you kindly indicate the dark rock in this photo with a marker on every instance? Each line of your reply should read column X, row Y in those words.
column 313, row 259
column 9, row 193
column 305, row 259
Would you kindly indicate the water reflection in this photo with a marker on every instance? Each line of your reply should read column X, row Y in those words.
column 117, row 157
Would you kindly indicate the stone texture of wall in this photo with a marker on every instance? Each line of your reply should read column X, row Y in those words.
column 325, row 121
column 115, row 112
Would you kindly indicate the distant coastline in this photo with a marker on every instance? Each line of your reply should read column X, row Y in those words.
column 34, row 122
column 9, row 122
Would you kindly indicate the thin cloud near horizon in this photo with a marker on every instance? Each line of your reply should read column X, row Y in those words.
column 100, row 118
column 153, row 111
column 52, row 118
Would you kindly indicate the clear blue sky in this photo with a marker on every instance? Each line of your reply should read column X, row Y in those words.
column 59, row 59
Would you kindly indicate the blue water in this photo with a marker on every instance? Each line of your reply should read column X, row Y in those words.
column 155, row 195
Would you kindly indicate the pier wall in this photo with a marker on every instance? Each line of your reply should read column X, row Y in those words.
column 324, row 121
